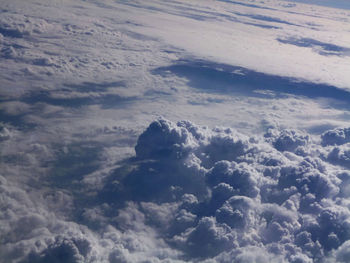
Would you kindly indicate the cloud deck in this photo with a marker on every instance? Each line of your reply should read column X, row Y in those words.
column 90, row 172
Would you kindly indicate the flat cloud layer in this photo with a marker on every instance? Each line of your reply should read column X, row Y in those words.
column 90, row 172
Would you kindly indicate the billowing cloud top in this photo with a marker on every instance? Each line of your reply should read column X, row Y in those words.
column 200, row 194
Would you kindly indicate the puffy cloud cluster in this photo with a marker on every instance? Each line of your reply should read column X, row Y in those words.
column 19, row 26
column 201, row 195
column 336, row 137
column 32, row 232
column 338, row 142
column 280, row 197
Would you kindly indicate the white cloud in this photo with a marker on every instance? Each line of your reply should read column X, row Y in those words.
column 80, row 80
column 175, row 203
column 291, row 214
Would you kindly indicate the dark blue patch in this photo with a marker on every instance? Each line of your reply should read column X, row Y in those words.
column 247, row 5
column 263, row 26
column 16, row 120
column 106, row 101
column 266, row 18
column 325, row 49
column 6, row 32
column 93, row 87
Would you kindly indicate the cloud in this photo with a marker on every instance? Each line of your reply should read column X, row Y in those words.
column 73, row 188
column 34, row 234
column 240, row 177
column 337, row 136
column 207, row 239
column 340, row 155
column 194, row 193
column 289, row 140
column 213, row 193
column 163, row 139
column 67, row 250
column 342, row 254
column 5, row 133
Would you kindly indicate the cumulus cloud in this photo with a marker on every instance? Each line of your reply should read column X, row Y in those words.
column 337, row 136
column 215, row 193
column 31, row 233
column 340, row 155
column 342, row 254
column 63, row 250
column 195, row 193
column 288, row 140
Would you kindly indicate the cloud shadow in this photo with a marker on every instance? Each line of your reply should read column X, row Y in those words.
column 13, row 33
column 94, row 87
column 106, row 101
column 322, row 48
column 100, row 97
column 247, row 5
column 266, row 19
column 226, row 79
